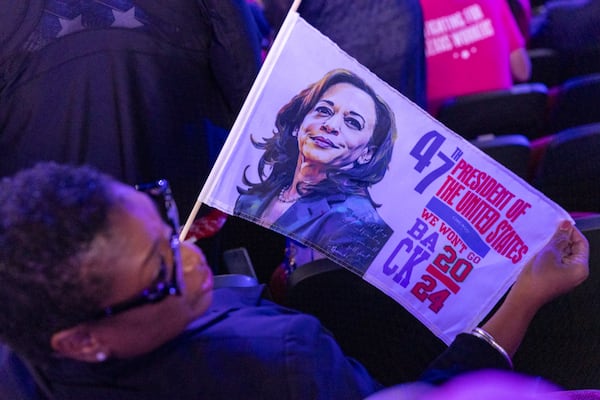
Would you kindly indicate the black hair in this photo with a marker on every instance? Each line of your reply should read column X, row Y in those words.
column 49, row 216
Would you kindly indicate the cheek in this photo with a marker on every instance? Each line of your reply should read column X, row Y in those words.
column 197, row 273
column 302, row 138
column 357, row 142
column 310, row 124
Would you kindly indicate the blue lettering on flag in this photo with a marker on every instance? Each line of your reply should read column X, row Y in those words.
column 460, row 226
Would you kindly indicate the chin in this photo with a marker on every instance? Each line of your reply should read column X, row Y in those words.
column 200, row 304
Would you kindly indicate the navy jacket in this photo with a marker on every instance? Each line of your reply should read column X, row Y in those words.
column 245, row 347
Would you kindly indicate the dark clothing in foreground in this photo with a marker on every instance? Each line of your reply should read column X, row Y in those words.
column 141, row 89
column 245, row 347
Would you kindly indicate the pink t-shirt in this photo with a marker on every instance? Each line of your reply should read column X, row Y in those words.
column 468, row 46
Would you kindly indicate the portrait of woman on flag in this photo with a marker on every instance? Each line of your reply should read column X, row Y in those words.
column 331, row 143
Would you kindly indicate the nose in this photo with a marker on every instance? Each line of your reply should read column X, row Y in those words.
column 328, row 128
column 331, row 125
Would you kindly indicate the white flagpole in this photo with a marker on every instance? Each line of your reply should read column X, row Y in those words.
column 295, row 5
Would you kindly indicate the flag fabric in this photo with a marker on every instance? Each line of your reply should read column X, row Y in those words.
column 443, row 228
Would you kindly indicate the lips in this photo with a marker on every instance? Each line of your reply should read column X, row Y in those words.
column 200, row 286
column 208, row 283
column 202, row 278
column 323, row 142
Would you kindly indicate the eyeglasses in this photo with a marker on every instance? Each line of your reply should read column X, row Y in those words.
column 160, row 192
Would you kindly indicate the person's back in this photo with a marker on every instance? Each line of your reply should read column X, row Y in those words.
column 521, row 10
column 384, row 35
column 471, row 46
column 555, row 27
column 142, row 89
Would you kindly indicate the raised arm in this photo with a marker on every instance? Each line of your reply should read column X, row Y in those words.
column 520, row 65
column 559, row 267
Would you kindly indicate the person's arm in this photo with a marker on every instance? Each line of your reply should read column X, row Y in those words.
column 559, row 267
column 235, row 48
column 520, row 65
column 519, row 62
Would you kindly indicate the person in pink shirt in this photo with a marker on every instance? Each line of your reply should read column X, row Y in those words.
column 471, row 46
column 521, row 10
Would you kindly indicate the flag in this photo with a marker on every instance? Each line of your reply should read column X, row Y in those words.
column 415, row 209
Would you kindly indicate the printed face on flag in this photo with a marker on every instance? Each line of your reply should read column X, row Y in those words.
column 429, row 219
column 338, row 130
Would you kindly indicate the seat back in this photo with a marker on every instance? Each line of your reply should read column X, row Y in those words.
column 568, row 170
column 521, row 109
column 581, row 62
column 546, row 66
column 233, row 280
column 512, row 151
column 576, row 103
column 369, row 325
column 265, row 249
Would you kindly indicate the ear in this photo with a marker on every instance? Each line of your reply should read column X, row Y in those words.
column 366, row 155
column 79, row 343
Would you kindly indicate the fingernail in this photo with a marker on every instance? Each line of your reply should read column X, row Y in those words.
column 565, row 226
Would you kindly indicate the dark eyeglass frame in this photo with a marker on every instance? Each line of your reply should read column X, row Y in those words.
column 161, row 192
